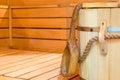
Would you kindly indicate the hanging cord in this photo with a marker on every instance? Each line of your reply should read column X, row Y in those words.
column 91, row 41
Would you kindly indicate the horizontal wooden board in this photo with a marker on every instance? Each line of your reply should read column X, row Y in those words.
column 41, row 33
column 3, row 13
column 42, row 23
column 4, row 42
column 3, row 2
column 44, row 12
column 41, row 45
column 8, row 78
column 49, row 2
column 4, row 33
column 3, row 23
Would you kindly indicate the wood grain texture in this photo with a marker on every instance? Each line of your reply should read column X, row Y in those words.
column 114, row 47
column 3, row 2
column 4, row 33
column 43, row 12
column 8, row 78
column 3, row 23
column 41, row 33
column 49, row 2
column 41, row 23
column 41, row 45
column 3, row 13
column 4, row 42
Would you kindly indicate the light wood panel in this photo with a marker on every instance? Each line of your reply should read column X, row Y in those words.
column 31, row 65
column 41, row 23
column 3, row 13
column 4, row 33
column 42, row 45
column 44, row 12
column 8, row 78
column 41, row 33
column 114, row 47
column 46, row 2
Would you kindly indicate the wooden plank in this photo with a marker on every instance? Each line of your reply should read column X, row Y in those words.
column 12, row 59
column 99, row 61
column 32, row 63
column 114, row 47
column 3, row 13
column 47, row 75
column 8, row 78
column 4, row 42
column 41, row 23
column 25, row 60
column 41, row 33
column 3, row 2
column 4, row 33
column 42, row 45
column 43, row 12
column 46, row 65
column 54, row 78
column 103, row 66
column 49, row 2
column 3, row 23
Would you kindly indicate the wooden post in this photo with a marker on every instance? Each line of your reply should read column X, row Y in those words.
column 10, row 23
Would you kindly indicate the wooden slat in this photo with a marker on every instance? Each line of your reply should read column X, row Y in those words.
column 40, row 71
column 3, row 2
column 4, row 42
column 41, row 33
column 41, row 23
column 42, row 45
column 47, row 75
column 8, row 78
column 114, row 49
column 43, row 12
column 49, row 2
column 49, row 65
column 12, row 59
column 32, row 63
column 4, row 33
column 3, row 12
column 25, row 60
column 3, row 23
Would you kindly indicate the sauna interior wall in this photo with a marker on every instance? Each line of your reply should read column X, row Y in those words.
column 4, row 32
column 44, row 29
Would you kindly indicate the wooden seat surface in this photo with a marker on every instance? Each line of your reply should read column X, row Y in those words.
column 29, row 65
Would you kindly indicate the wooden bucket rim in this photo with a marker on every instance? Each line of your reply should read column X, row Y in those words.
column 101, row 5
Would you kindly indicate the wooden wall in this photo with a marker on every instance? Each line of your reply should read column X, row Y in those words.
column 45, row 28
column 49, row 2
column 4, row 32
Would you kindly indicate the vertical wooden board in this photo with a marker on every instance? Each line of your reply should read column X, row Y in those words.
column 4, row 33
column 41, row 23
column 41, row 45
column 89, row 71
column 4, row 42
column 43, row 12
column 3, row 23
column 49, row 2
column 3, row 13
column 40, row 33
column 115, row 50
column 103, row 61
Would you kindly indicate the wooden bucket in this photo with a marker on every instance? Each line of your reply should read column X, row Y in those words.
column 98, row 66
